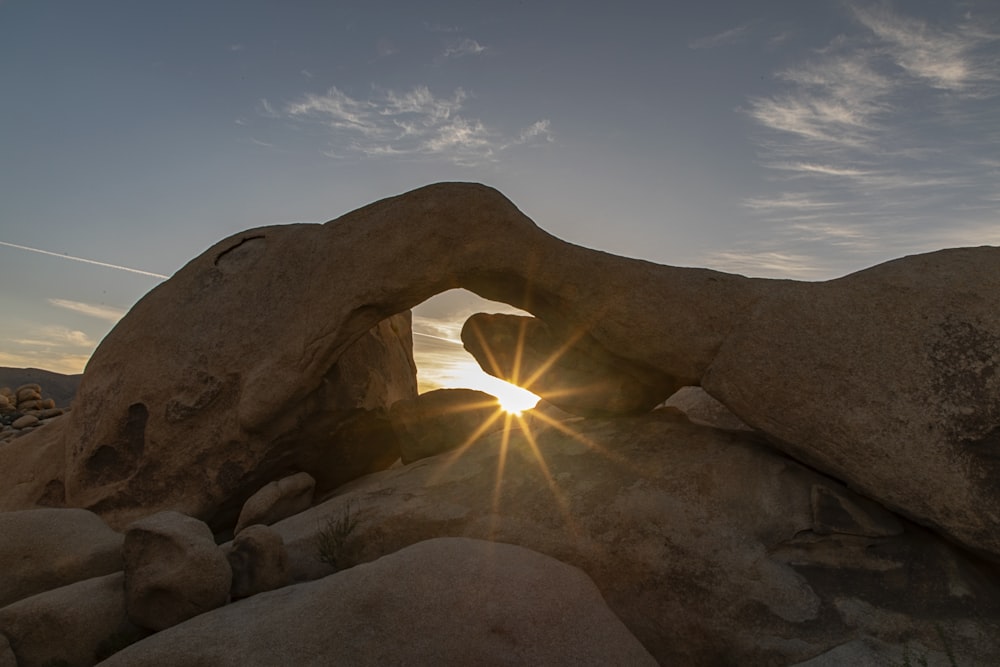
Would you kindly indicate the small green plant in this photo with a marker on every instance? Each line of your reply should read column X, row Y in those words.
column 331, row 540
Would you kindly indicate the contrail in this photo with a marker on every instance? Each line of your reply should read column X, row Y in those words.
column 86, row 261
column 447, row 340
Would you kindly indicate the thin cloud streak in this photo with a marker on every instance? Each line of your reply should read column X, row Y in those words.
column 733, row 35
column 85, row 261
column 412, row 124
column 101, row 312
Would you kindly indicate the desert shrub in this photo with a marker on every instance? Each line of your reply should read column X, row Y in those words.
column 331, row 540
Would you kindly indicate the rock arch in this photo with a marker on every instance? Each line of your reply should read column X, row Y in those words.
column 850, row 375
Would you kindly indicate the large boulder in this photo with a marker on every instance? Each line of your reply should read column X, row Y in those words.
column 440, row 602
column 73, row 625
column 173, row 570
column 711, row 546
column 442, row 420
column 33, row 469
column 42, row 549
column 889, row 379
column 277, row 500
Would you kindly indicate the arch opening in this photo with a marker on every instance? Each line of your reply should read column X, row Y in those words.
column 443, row 362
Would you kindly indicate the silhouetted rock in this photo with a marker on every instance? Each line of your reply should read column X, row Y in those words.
column 442, row 420
column 574, row 375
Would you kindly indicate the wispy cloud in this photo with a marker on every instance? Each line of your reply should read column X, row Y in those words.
column 877, row 144
column 58, row 336
column 730, row 36
column 464, row 47
column 93, row 310
column 947, row 57
column 414, row 124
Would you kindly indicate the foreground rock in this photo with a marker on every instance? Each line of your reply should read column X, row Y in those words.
column 173, row 570
column 74, row 625
column 43, row 549
column 440, row 602
column 711, row 547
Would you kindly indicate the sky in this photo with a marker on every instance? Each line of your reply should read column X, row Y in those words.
column 776, row 138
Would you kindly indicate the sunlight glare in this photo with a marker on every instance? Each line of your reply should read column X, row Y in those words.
column 512, row 398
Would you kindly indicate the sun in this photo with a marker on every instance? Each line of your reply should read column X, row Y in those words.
column 513, row 399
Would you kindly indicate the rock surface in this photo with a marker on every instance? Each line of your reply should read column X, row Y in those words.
column 712, row 547
column 43, row 549
column 173, row 570
column 440, row 602
column 701, row 408
column 71, row 625
column 442, row 420
column 163, row 431
column 888, row 378
column 277, row 500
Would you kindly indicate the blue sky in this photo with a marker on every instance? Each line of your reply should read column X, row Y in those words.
column 779, row 139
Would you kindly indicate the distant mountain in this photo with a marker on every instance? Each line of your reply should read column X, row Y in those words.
column 59, row 387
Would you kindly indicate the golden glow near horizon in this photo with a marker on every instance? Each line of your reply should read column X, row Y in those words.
column 466, row 373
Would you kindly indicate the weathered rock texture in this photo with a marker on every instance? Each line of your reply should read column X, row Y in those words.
column 173, row 570
column 711, row 546
column 159, row 425
column 440, row 602
column 888, row 378
column 442, row 420
column 43, row 549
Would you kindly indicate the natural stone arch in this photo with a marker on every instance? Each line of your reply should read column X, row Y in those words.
column 214, row 357
column 888, row 379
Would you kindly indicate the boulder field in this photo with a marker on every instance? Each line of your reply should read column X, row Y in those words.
column 825, row 489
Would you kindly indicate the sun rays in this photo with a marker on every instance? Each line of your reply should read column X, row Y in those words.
column 517, row 426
